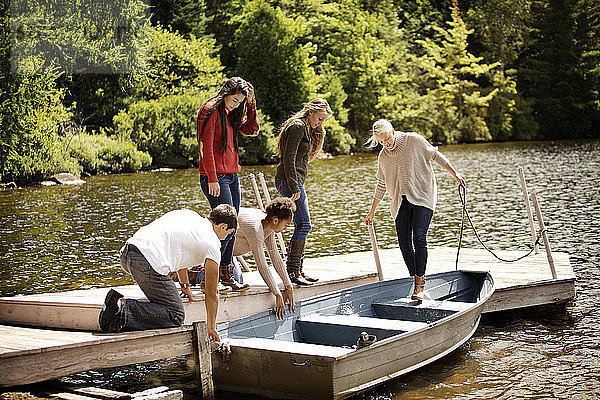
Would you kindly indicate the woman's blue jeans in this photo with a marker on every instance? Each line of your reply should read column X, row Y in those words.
column 230, row 194
column 412, row 223
column 302, row 224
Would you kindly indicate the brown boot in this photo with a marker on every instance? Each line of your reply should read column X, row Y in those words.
column 294, row 263
column 226, row 278
column 419, row 292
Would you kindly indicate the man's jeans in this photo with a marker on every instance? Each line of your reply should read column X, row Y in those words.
column 230, row 194
column 165, row 307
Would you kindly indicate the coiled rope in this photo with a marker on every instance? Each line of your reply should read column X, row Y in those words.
column 462, row 193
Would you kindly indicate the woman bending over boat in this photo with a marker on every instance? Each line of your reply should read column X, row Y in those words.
column 220, row 120
column 255, row 229
column 404, row 171
column 300, row 141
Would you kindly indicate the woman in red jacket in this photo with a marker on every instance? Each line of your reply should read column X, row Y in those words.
column 220, row 119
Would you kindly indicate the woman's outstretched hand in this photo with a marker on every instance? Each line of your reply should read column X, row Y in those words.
column 460, row 179
column 369, row 218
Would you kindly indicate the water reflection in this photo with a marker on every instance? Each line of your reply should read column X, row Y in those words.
column 58, row 238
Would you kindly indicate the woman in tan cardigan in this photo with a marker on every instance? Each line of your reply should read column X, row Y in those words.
column 405, row 172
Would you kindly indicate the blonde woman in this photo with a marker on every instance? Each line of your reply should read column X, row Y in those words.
column 405, row 172
column 300, row 140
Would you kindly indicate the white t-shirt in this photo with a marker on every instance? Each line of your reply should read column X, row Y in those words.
column 178, row 239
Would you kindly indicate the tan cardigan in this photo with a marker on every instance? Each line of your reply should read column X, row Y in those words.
column 250, row 237
column 406, row 170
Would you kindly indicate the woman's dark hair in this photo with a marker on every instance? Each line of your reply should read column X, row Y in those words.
column 281, row 207
column 232, row 86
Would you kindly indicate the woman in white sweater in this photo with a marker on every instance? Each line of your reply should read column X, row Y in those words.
column 256, row 228
column 405, row 172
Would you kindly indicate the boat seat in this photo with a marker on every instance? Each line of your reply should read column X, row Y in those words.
column 344, row 330
column 424, row 311
column 290, row 347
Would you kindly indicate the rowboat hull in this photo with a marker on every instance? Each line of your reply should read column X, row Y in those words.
column 309, row 355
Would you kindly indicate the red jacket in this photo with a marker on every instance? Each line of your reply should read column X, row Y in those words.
column 212, row 160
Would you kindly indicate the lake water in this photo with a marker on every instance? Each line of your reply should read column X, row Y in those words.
column 61, row 238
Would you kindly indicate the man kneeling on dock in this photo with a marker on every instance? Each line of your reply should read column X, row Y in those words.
column 174, row 242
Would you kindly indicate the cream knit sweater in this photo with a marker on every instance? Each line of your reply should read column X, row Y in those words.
column 249, row 237
column 406, row 170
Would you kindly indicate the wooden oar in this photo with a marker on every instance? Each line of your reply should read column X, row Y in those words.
column 375, row 251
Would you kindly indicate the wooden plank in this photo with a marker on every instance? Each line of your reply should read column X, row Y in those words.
column 535, row 294
column 168, row 395
column 71, row 396
column 48, row 311
column 35, row 365
column 203, row 360
column 151, row 391
column 103, row 393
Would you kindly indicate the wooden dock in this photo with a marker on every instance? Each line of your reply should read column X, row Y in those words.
column 29, row 355
column 521, row 284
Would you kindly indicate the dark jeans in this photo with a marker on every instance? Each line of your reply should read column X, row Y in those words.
column 164, row 308
column 412, row 223
column 230, row 194
column 302, row 224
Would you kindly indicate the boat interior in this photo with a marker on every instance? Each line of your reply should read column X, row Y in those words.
column 340, row 320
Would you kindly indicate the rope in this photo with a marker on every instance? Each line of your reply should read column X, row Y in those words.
column 462, row 193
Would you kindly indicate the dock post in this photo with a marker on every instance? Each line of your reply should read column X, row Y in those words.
column 279, row 236
column 203, row 361
column 540, row 219
column 528, row 208
column 256, row 192
column 375, row 251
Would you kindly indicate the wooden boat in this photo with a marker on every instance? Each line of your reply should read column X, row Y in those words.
column 313, row 352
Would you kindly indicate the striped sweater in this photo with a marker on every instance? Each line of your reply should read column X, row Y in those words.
column 249, row 237
column 406, row 170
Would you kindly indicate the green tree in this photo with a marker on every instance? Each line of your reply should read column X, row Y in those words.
column 42, row 42
column 178, row 65
column 502, row 31
column 553, row 75
column 587, row 17
column 454, row 104
column 187, row 17
column 269, row 56
column 364, row 49
column 161, row 117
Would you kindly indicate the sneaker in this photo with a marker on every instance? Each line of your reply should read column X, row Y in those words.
column 222, row 289
column 110, row 310
column 235, row 286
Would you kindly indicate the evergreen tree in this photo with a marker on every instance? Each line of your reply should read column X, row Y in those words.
column 587, row 17
column 454, row 104
column 552, row 75
column 269, row 56
column 501, row 33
